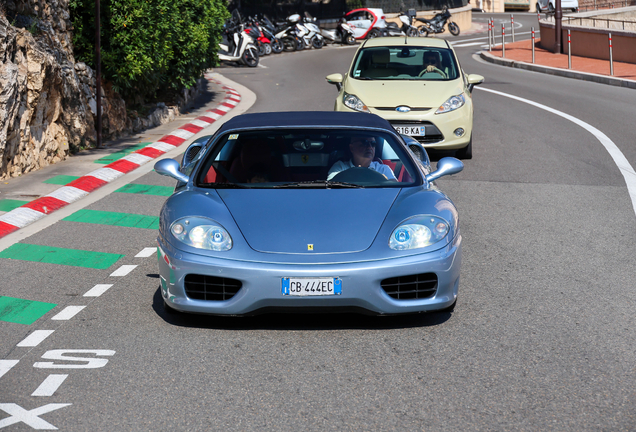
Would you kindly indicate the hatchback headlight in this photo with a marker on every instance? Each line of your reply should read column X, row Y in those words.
column 201, row 233
column 352, row 101
column 453, row 103
column 418, row 232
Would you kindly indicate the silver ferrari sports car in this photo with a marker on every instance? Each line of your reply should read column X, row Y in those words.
column 308, row 211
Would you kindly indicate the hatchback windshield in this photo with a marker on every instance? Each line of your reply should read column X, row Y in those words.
column 307, row 158
column 402, row 62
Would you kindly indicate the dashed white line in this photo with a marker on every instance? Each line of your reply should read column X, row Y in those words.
column 123, row 270
column 67, row 313
column 6, row 365
column 50, row 385
column 35, row 338
column 147, row 252
column 97, row 290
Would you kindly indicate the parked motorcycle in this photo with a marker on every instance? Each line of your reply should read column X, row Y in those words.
column 310, row 32
column 437, row 24
column 287, row 33
column 341, row 34
column 406, row 29
column 269, row 31
column 237, row 45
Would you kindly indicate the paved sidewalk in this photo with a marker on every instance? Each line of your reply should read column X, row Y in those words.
column 30, row 197
column 519, row 55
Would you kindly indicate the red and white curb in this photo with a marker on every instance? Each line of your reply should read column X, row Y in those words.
column 79, row 188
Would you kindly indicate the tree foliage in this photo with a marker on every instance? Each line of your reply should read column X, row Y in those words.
column 149, row 46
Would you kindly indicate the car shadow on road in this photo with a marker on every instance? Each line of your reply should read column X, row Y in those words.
column 298, row 321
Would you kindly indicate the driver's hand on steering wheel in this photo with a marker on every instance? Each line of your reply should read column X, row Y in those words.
column 431, row 68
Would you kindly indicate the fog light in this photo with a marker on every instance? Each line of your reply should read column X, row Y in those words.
column 459, row 132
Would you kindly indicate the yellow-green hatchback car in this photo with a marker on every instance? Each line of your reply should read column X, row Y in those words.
column 417, row 85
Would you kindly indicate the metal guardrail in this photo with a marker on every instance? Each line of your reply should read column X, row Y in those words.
column 601, row 23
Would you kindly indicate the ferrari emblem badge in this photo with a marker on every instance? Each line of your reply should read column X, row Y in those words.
column 310, row 247
column 304, row 158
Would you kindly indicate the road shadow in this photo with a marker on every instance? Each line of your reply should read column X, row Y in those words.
column 298, row 321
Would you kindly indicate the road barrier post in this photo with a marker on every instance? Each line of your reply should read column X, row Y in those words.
column 512, row 26
column 489, row 36
column 610, row 55
column 532, row 44
column 569, row 51
column 503, row 41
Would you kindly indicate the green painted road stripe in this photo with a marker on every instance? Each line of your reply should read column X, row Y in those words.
column 114, row 219
column 22, row 311
column 146, row 189
column 120, row 154
column 10, row 204
column 55, row 255
column 61, row 179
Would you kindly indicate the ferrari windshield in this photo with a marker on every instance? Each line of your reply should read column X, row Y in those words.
column 307, row 158
column 405, row 63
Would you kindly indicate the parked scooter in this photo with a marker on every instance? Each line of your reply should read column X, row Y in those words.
column 341, row 34
column 406, row 29
column 309, row 31
column 287, row 33
column 237, row 45
column 437, row 24
column 269, row 31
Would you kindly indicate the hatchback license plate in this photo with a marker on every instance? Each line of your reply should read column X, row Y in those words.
column 304, row 287
column 410, row 130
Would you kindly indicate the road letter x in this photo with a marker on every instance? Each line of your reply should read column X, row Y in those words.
column 19, row 414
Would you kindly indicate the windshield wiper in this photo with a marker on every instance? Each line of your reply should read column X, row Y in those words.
column 319, row 183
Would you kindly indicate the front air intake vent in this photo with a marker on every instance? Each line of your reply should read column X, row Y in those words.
column 202, row 287
column 411, row 287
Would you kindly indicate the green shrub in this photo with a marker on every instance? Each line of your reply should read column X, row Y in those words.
column 150, row 46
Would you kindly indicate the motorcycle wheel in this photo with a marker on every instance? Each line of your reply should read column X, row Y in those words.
column 374, row 34
column 261, row 49
column 453, row 28
column 300, row 44
column 423, row 31
column 350, row 40
column 250, row 56
column 289, row 44
column 277, row 46
column 268, row 48
column 412, row 32
column 317, row 43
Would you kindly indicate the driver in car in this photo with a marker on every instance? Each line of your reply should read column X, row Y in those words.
column 432, row 63
column 362, row 151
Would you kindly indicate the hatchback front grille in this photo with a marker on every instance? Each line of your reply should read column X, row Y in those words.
column 202, row 287
column 411, row 287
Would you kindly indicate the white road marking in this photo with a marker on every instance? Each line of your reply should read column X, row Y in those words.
column 50, row 385
column 97, row 290
column 68, row 313
column 35, row 338
column 30, row 418
column 147, row 252
column 123, row 270
column 60, row 354
column 6, row 365
column 619, row 158
column 467, row 44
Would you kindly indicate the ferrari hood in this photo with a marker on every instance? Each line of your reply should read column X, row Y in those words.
column 313, row 221
column 393, row 93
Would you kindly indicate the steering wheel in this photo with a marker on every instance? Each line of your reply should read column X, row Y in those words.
column 437, row 71
column 359, row 174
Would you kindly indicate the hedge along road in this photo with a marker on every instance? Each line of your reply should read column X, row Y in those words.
column 541, row 338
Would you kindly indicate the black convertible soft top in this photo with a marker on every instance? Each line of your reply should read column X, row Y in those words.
column 306, row 118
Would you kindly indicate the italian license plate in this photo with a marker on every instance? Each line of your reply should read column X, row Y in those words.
column 304, row 287
column 410, row 130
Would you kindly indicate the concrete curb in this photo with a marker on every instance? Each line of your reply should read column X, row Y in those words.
column 568, row 73
column 79, row 188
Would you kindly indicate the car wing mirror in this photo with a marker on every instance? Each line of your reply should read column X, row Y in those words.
column 445, row 166
column 335, row 79
column 170, row 168
column 473, row 80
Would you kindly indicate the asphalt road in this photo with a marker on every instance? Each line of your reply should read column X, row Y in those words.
column 542, row 337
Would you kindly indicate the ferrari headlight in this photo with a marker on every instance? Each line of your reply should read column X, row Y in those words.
column 352, row 101
column 453, row 103
column 418, row 232
column 201, row 233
